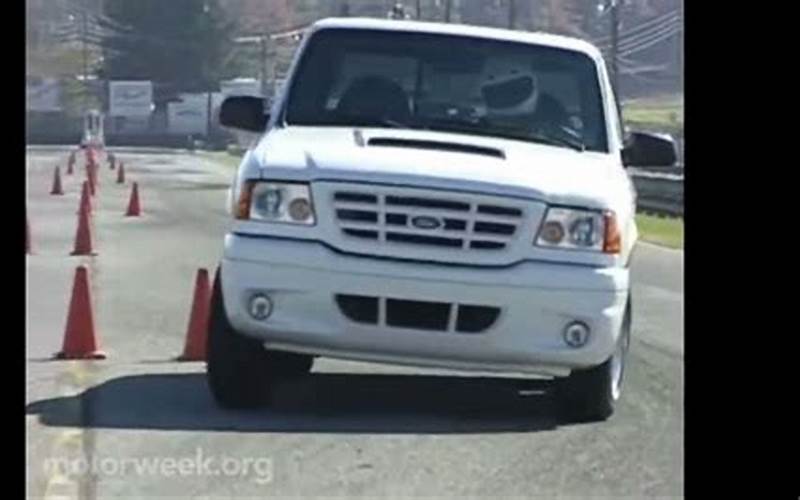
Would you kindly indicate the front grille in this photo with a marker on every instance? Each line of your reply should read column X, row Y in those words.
column 417, row 315
column 358, row 308
column 447, row 220
column 475, row 319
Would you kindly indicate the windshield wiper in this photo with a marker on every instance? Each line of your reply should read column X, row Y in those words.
column 464, row 126
column 451, row 125
column 366, row 121
column 573, row 143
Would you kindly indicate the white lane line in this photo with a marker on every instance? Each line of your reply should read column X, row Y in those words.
column 660, row 247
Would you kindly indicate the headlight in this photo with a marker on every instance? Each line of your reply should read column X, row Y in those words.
column 285, row 202
column 576, row 229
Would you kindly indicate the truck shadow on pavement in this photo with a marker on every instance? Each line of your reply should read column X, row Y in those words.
column 322, row 402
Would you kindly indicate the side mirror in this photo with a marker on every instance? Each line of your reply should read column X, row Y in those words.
column 644, row 149
column 245, row 113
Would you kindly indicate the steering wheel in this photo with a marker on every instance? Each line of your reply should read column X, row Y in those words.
column 375, row 97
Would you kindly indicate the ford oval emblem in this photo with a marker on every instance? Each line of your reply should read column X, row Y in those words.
column 425, row 222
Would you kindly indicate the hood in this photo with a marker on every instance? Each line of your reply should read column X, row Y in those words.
column 446, row 161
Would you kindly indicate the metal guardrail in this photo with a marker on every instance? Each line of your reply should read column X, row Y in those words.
column 660, row 190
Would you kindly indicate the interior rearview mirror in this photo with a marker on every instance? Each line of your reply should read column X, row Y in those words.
column 647, row 149
column 244, row 113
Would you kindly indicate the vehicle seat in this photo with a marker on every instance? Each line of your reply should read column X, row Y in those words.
column 378, row 97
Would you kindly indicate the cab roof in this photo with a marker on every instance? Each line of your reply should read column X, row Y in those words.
column 534, row 38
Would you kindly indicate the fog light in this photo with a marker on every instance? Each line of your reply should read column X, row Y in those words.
column 300, row 209
column 260, row 307
column 576, row 334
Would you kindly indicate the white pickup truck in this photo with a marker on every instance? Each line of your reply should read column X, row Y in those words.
column 432, row 195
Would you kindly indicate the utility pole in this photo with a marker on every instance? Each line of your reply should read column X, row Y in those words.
column 512, row 14
column 679, row 43
column 419, row 10
column 85, row 52
column 447, row 10
column 615, row 4
column 263, row 43
column 209, row 110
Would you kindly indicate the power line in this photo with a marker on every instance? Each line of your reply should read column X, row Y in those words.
column 625, row 40
column 665, row 36
column 634, row 42
column 662, row 18
column 632, row 47
column 77, row 9
column 629, row 62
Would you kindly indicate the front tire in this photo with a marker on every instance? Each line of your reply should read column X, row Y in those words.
column 590, row 395
column 237, row 366
column 289, row 364
column 240, row 371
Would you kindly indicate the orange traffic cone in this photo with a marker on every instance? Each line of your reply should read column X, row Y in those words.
column 134, row 209
column 121, row 173
column 197, row 332
column 86, row 198
column 83, row 236
column 80, row 340
column 57, row 182
column 90, row 156
column 71, row 164
column 90, row 176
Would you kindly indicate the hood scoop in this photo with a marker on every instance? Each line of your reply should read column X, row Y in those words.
column 436, row 146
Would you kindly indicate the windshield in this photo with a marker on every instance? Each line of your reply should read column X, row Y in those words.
column 451, row 84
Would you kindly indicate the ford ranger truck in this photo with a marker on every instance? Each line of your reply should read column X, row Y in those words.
column 432, row 195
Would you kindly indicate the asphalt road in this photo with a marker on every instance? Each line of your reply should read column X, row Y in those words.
column 351, row 429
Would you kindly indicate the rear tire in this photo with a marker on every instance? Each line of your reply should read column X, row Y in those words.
column 590, row 395
column 237, row 367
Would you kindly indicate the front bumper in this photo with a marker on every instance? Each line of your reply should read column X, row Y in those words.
column 537, row 300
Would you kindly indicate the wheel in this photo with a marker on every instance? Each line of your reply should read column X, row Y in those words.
column 288, row 364
column 240, row 371
column 237, row 366
column 590, row 395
